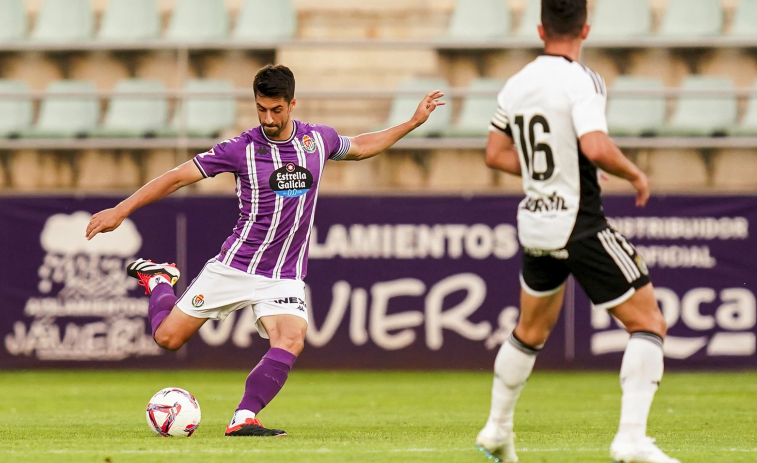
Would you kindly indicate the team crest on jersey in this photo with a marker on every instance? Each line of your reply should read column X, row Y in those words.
column 291, row 180
column 198, row 300
column 308, row 144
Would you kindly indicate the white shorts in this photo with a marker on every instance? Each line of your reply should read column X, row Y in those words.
column 219, row 290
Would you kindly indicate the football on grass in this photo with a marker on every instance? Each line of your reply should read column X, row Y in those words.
column 173, row 412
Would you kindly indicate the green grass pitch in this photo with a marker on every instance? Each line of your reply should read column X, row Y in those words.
column 84, row 416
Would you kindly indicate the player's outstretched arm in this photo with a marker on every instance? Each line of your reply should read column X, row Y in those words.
column 602, row 151
column 109, row 219
column 501, row 153
column 368, row 145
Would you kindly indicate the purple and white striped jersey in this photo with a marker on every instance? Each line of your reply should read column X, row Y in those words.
column 277, row 187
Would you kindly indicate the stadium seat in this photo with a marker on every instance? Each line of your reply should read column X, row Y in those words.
column 704, row 115
column 692, row 18
column 621, row 19
column 479, row 19
column 198, row 20
column 135, row 116
column 748, row 125
column 745, row 23
column 530, row 18
column 206, row 116
column 15, row 113
column 12, row 20
column 266, row 20
column 478, row 110
column 64, row 21
column 634, row 115
column 404, row 106
column 130, row 20
column 67, row 116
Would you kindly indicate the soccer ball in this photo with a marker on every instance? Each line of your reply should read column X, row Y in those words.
column 173, row 412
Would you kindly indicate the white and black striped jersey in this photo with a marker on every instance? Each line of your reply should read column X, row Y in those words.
column 546, row 108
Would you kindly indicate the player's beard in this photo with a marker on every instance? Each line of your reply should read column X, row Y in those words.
column 274, row 131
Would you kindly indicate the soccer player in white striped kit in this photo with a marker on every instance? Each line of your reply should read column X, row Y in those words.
column 550, row 129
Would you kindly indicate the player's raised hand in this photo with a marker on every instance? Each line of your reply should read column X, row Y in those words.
column 427, row 106
column 641, row 185
column 103, row 222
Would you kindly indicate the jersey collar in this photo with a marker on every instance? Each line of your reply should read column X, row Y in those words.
column 281, row 142
column 558, row 56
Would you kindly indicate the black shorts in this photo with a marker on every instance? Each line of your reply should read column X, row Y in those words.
column 606, row 266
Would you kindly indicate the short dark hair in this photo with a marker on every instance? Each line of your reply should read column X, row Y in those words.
column 274, row 82
column 563, row 18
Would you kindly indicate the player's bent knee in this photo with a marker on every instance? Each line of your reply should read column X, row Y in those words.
column 168, row 341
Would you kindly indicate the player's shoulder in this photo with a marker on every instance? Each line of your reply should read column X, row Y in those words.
column 305, row 128
column 239, row 142
column 587, row 79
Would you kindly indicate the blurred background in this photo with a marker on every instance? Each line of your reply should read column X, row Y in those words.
column 414, row 252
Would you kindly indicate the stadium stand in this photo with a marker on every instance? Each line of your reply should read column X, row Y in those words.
column 13, row 21
column 130, row 20
column 634, row 115
column 703, row 115
column 66, row 116
column 130, row 116
column 621, row 19
column 477, row 109
column 404, row 106
column 15, row 113
column 266, row 20
column 64, row 21
column 479, row 19
column 692, row 18
column 530, row 18
column 206, row 116
column 198, row 20
column 744, row 23
column 748, row 125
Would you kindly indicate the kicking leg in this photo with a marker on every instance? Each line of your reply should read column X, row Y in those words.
column 512, row 368
column 640, row 376
column 287, row 336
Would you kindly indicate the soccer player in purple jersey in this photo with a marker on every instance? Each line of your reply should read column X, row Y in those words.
column 278, row 168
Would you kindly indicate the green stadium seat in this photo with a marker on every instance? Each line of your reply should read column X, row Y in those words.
column 621, row 19
column 206, row 116
column 635, row 115
column 135, row 116
column 692, row 18
column 64, row 21
column 704, row 115
column 13, row 22
column 477, row 111
column 198, row 20
column 130, row 20
column 748, row 125
column 745, row 21
column 266, row 20
column 530, row 18
column 67, row 116
column 15, row 113
column 479, row 19
column 404, row 106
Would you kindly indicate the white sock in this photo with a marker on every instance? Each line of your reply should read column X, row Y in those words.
column 512, row 368
column 640, row 376
column 156, row 280
column 240, row 416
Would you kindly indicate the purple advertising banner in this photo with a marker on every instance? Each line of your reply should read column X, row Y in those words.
column 393, row 282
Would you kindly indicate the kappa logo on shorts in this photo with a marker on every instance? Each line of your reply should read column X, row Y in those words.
column 292, row 300
column 198, row 300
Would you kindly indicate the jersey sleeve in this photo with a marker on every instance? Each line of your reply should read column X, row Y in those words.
column 588, row 104
column 501, row 121
column 223, row 157
column 337, row 146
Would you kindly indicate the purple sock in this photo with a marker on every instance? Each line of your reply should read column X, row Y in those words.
column 162, row 301
column 266, row 379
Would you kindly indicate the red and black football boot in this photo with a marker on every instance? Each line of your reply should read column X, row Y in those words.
column 252, row 427
column 143, row 270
